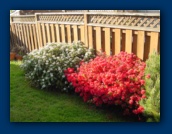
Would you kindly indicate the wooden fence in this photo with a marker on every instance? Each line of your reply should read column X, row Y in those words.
column 112, row 32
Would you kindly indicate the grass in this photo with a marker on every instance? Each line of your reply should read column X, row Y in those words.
column 29, row 104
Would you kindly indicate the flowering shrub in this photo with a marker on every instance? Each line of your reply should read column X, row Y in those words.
column 113, row 80
column 151, row 103
column 45, row 67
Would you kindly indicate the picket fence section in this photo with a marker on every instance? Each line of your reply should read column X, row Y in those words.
column 137, row 33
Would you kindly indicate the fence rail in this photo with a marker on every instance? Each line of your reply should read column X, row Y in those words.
column 112, row 32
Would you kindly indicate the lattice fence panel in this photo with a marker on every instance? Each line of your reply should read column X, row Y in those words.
column 62, row 18
column 136, row 21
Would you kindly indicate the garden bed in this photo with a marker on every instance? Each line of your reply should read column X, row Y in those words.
column 29, row 104
column 121, row 81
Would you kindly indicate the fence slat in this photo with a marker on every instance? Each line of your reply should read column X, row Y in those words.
column 31, row 36
column 107, row 41
column 17, row 33
column 22, row 35
column 48, row 33
column 25, row 36
column 35, row 37
column 140, row 44
column 39, row 35
column 98, row 39
column 58, row 33
column 75, row 30
column 63, row 33
column 28, row 37
column 154, row 42
column 128, row 41
column 90, row 36
column 69, row 34
column 117, row 41
column 44, row 34
column 52, row 33
column 82, row 34
column 37, row 32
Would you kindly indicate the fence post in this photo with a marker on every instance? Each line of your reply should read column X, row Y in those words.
column 85, row 28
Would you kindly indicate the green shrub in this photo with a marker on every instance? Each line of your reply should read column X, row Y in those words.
column 45, row 67
column 151, row 103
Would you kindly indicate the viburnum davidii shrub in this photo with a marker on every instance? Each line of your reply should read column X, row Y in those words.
column 113, row 80
column 45, row 67
column 151, row 103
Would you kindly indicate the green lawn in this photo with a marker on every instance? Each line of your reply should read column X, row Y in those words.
column 28, row 104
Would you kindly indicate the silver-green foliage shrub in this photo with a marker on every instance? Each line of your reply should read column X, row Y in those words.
column 45, row 67
column 151, row 103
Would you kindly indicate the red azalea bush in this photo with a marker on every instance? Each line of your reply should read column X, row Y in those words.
column 113, row 80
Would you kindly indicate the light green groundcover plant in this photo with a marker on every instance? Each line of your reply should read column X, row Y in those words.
column 152, row 78
column 45, row 67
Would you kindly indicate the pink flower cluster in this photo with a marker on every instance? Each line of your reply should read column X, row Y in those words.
column 113, row 80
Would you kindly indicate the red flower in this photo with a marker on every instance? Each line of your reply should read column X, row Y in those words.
column 70, row 70
column 142, row 92
column 142, row 82
column 148, row 76
column 130, row 102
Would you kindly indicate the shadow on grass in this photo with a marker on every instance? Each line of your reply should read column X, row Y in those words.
column 112, row 113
